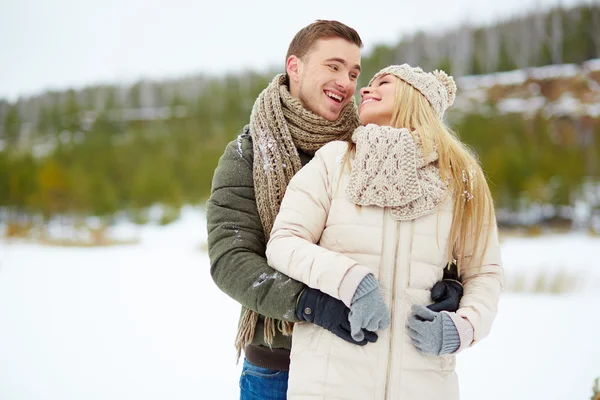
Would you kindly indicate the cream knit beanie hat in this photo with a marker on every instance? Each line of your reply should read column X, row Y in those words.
column 437, row 87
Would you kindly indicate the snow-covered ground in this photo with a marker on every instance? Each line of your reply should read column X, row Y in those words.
column 146, row 322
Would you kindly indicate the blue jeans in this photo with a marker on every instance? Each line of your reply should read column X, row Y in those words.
column 258, row 383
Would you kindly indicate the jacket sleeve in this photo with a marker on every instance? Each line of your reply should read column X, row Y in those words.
column 293, row 249
column 483, row 285
column 236, row 241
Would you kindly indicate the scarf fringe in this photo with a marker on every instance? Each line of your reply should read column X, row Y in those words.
column 245, row 332
column 247, row 329
column 286, row 327
column 269, row 331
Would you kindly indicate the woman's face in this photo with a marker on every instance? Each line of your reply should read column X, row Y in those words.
column 377, row 101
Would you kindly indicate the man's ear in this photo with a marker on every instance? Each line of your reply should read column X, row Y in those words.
column 292, row 67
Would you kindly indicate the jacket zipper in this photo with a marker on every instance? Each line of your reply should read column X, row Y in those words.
column 392, row 307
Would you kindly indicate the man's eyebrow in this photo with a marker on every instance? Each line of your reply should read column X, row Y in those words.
column 343, row 62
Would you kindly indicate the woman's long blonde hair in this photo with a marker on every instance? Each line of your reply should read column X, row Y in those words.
column 473, row 210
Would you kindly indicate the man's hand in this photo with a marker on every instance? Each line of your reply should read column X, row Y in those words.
column 329, row 313
column 447, row 293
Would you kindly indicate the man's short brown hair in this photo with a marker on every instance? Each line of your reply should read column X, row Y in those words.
column 320, row 29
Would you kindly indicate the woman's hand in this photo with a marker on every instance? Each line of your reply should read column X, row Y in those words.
column 368, row 309
column 433, row 333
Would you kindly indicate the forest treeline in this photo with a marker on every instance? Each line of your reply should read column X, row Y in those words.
column 107, row 149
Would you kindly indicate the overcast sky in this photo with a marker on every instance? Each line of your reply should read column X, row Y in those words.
column 56, row 44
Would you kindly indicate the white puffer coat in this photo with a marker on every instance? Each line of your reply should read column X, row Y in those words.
column 319, row 237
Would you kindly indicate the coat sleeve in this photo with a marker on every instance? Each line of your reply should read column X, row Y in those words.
column 236, row 241
column 483, row 284
column 293, row 248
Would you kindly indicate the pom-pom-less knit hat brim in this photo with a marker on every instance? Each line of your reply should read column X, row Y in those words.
column 437, row 87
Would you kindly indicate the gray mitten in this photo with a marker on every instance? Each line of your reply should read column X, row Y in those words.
column 368, row 309
column 433, row 333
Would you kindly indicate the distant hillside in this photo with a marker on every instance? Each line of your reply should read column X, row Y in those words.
column 537, row 132
column 528, row 104
column 567, row 90
column 555, row 36
column 546, row 37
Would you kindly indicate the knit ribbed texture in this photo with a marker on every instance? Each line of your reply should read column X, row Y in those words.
column 437, row 87
column 450, row 336
column 431, row 332
column 464, row 328
column 390, row 170
column 279, row 125
column 366, row 286
column 350, row 282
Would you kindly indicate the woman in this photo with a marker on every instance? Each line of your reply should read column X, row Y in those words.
column 374, row 222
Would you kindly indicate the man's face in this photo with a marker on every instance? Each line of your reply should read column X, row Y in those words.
column 325, row 79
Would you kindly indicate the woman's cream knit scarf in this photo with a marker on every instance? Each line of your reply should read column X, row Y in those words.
column 279, row 125
column 390, row 169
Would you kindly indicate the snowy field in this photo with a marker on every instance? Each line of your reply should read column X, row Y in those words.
column 146, row 322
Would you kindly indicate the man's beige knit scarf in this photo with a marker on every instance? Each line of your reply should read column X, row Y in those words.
column 279, row 125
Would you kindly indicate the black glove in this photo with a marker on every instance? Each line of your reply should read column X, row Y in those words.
column 329, row 313
column 447, row 293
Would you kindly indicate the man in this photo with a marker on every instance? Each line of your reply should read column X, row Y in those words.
column 299, row 112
